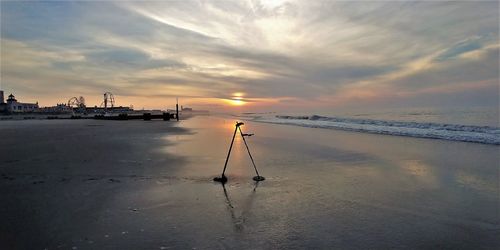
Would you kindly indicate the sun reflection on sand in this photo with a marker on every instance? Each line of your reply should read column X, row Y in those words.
column 420, row 171
column 474, row 182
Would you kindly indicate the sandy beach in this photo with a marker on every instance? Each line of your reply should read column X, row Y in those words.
column 87, row 184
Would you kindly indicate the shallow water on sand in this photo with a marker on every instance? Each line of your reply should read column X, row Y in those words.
column 329, row 188
column 323, row 189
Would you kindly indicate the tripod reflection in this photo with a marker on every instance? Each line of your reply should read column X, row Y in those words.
column 239, row 220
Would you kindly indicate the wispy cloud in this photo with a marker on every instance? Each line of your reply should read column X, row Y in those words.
column 280, row 53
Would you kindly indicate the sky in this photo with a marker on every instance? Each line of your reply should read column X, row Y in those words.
column 253, row 55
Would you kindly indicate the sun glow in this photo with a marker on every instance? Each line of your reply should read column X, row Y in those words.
column 236, row 101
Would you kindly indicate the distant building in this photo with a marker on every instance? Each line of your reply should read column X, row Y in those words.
column 60, row 108
column 13, row 106
column 3, row 105
column 101, row 110
column 186, row 109
column 190, row 111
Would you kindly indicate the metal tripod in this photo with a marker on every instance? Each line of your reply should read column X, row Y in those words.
column 237, row 128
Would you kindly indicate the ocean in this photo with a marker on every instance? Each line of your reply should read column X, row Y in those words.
column 478, row 125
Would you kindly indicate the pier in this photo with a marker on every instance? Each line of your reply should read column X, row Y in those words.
column 123, row 117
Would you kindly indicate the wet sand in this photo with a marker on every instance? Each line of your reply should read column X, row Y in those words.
column 148, row 185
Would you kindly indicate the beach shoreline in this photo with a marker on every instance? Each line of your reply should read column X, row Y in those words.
column 90, row 184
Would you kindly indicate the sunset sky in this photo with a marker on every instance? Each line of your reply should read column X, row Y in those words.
column 253, row 55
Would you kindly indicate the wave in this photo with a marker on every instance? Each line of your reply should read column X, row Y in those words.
column 453, row 132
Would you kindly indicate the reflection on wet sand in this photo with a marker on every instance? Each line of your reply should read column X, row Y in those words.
column 476, row 182
column 421, row 172
column 239, row 221
column 326, row 188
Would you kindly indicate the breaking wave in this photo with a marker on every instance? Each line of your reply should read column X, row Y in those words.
column 453, row 132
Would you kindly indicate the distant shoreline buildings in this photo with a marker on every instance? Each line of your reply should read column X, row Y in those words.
column 74, row 106
column 13, row 106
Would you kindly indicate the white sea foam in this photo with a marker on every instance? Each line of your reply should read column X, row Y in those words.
column 454, row 132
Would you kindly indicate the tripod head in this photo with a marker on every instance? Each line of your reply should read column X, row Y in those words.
column 239, row 124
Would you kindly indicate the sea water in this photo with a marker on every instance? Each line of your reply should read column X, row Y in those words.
column 478, row 125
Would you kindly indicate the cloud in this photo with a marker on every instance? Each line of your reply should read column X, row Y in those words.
column 128, row 59
column 462, row 47
column 314, row 53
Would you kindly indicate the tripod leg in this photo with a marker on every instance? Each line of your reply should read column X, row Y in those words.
column 258, row 177
column 229, row 153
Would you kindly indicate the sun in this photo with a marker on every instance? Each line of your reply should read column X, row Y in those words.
column 236, row 101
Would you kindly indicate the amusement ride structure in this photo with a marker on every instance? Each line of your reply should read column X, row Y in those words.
column 77, row 104
column 109, row 101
